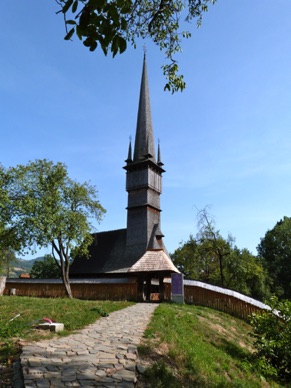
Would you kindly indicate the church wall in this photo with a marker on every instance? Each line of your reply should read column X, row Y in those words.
column 153, row 198
column 144, row 196
column 137, row 226
column 155, row 180
column 153, row 219
column 144, row 178
column 140, row 225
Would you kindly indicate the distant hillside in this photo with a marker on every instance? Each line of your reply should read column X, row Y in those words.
column 24, row 266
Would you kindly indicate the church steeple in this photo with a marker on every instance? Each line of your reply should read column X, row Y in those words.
column 144, row 139
column 144, row 181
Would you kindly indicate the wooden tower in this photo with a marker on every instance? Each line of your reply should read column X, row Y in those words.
column 144, row 182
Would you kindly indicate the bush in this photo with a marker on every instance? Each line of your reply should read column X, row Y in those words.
column 272, row 331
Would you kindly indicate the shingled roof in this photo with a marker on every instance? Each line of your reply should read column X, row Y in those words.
column 154, row 261
column 107, row 254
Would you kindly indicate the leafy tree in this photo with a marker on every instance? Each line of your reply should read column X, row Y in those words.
column 114, row 23
column 191, row 261
column 7, row 262
column 212, row 244
column 50, row 209
column 8, row 235
column 210, row 258
column 275, row 251
column 272, row 331
column 245, row 274
column 47, row 268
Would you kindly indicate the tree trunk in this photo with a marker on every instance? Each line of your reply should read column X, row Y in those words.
column 64, row 265
column 65, row 276
column 66, row 281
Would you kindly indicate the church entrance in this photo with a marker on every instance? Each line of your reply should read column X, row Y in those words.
column 151, row 288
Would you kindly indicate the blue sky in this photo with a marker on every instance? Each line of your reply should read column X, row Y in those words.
column 225, row 140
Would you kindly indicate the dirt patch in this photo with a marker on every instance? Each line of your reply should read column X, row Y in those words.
column 229, row 333
column 214, row 326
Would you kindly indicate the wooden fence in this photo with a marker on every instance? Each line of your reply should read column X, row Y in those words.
column 197, row 293
column 99, row 289
column 222, row 299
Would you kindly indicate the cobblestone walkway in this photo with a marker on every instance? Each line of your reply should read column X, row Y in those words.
column 103, row 354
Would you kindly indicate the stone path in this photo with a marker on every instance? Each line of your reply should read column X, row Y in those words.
column 103, row 354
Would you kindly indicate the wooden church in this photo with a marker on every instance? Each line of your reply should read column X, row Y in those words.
column 138, row 250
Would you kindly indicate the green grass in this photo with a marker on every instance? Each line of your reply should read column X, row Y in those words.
column 28, row 312
column 186, row 346
column 192, row 346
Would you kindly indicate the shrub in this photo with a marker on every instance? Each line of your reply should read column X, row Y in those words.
column 272, row 332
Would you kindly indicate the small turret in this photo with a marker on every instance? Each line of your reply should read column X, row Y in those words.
column 159, row 161
column 129, row 156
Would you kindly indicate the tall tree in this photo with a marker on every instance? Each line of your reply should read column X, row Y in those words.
column 50, row 209
column 46, row 268
column 275, row 251
column 114, row 23
column 210, row 258
column 212, row 243
column 192, row 261
column 244, row 273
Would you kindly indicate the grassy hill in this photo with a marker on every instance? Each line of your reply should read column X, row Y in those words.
column 185, row 346
column 192, row 346
column 23, row 266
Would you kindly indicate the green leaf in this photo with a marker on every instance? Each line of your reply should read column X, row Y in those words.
column 70, row 34
column 114, row 46
column 75, row 6
column 67, row 6
column 93, row 46
column 87, row 42
column 79, row 32
column 122, row 44
column 72, row 22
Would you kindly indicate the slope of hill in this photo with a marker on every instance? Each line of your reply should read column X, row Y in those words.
column 23, row 266
column 192, row 346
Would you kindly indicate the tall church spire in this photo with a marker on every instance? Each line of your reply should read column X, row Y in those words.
column 144, row 139
column 144, row 182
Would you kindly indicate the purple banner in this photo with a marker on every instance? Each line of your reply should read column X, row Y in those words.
column 177, row 284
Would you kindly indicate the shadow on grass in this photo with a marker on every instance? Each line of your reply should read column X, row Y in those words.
column 162, row 371
column 234, row 350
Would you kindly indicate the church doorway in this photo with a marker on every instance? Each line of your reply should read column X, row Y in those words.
column 151, row 288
